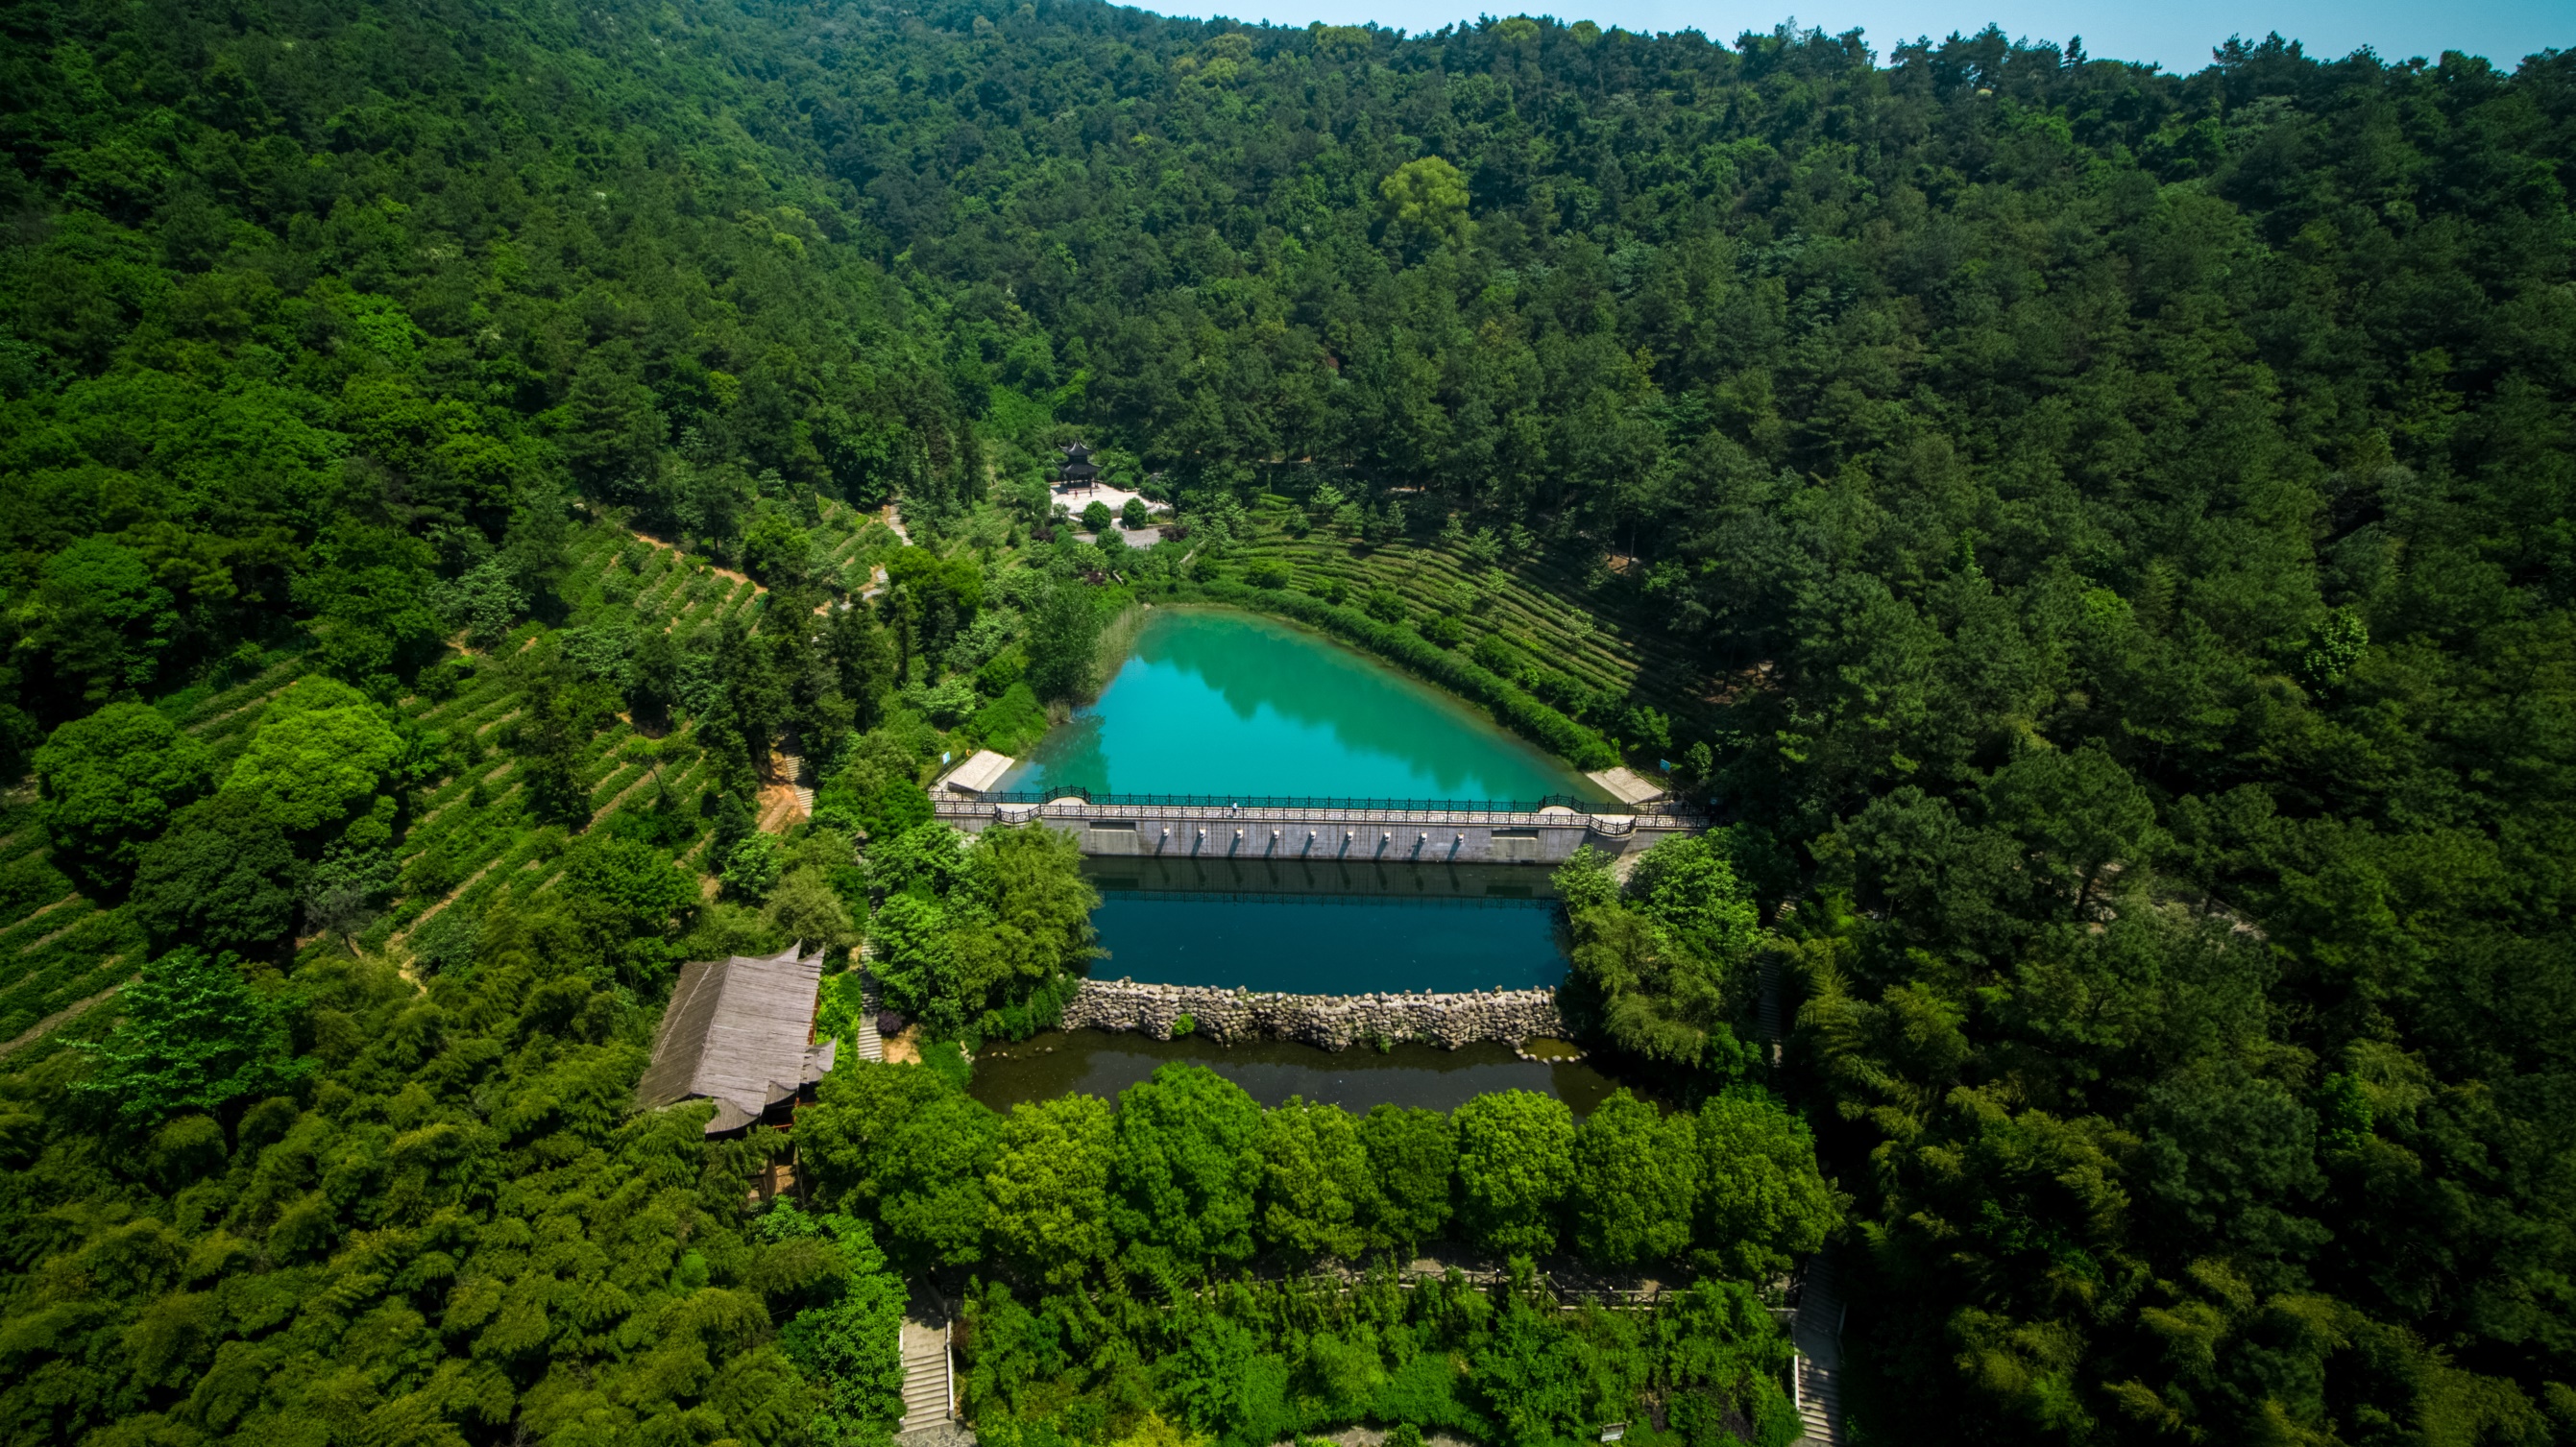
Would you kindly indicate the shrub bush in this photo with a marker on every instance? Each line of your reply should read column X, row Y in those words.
column 1011, row 724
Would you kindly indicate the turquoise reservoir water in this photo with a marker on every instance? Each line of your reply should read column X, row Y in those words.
column 1224, row 703
column 1329, row 945
column 1326, row 929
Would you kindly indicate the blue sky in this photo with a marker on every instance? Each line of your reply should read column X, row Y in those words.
column 2176, row 33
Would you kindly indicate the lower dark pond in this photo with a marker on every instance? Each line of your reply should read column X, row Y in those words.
column 1327, row 928
column 1096, row 1062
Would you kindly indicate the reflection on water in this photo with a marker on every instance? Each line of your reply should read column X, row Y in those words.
column 1095, row 1062
column 1399, row 878
column 1217, row 702
column 1327, row 928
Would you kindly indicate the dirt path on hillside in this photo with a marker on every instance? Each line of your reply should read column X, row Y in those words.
column 712, row 568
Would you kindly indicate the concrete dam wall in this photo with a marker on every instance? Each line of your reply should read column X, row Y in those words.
column 1323, row 833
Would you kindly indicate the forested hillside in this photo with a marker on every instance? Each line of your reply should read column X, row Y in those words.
column 2105, row 540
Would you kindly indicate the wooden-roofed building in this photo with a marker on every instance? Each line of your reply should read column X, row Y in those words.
column 740, row 1032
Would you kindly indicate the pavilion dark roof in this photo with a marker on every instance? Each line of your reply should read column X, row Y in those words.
column 738, row 1031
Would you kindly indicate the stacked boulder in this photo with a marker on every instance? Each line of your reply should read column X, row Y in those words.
column 1332, row 1022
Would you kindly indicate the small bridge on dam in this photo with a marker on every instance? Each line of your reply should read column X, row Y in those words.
column 1393, row 831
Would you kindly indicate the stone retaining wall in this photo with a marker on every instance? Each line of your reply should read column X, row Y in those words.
column 1329, row 1021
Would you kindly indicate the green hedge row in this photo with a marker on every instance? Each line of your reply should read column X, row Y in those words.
column 1407, row 649
column 93, row 952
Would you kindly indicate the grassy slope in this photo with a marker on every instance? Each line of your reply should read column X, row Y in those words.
column 58, row 947
column 1538, row 605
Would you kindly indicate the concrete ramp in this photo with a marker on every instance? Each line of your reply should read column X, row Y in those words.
column 1628, row 786
column 978, row 774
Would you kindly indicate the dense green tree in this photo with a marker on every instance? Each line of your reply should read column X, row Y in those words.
column 804, row 906
column 893, row 807
column 751, row 868
column 1662, row 963
column 846, row 1340
column 1689, row 886
column 372, row 607
column 863, row 659
column 969, row 930
column 552, row 734
column 224, row 876
column 653, row 679
column 320, row 752
column 1048, row 1190
column 1426, row 200
column 1189, row 1165
column 629, row 899
column 111, row 780
column 914, row 958
column 612, row 429
column 1638, row 1174
column 1064, row 636
column 1762, row 1199
column 1316, row 1181
column 98, row 620
column 1032, row 908
column 191, row 1036
column 1530, row 1378
column 930, row 1187
column 903, row 1146
column 1411, row 1156
column 1515, row 1163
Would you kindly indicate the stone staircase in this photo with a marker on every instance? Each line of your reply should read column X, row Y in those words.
column 870, row 1044
column 929, row 1385
column 792, row 768
column 1818, row 1336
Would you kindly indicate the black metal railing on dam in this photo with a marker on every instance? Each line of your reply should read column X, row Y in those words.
column 1257, row 801
column 1275, row 805
column 1253, row 826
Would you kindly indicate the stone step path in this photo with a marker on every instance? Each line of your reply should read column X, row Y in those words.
column 792, row 768
column 1818, row 1336
column 870, row 1044
column 929, row 1384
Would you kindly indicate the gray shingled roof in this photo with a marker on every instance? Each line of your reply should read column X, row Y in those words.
column 737, row 1031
